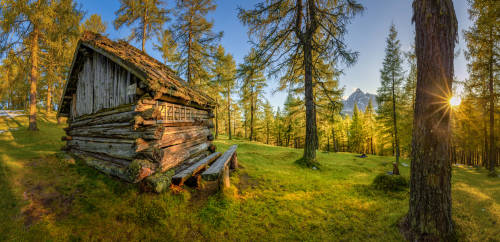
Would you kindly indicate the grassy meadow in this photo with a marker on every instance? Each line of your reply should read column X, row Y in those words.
column 46, row 198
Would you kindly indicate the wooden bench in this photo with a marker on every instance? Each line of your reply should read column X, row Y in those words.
column 179, row 178
column 219, row 170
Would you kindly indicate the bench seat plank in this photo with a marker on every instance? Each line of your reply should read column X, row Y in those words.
column 215, row 170
column 182, row 176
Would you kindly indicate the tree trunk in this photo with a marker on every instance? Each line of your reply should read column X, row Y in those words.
column 49, row 98
column 310, row 145
column 229, row 110
column 252, row 110
column 34, row 78
column 492, row 151
column 429, row 216
column 395, row 171
column 216, row 120
column 144, row 29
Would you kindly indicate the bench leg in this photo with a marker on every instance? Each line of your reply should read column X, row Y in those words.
column 224, row 180
column 234, row 162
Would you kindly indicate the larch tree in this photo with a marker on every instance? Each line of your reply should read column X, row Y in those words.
column 268, row 119
column 483, row 54
column 369, row 126
column 429, row 216
column 95, row 24
column 195, row 39
column 388, row 94
column 24, row 29
column 224, row 72
column 252, row 87
column 285, row 30
column 168, row 49
column 145, row 16
column 356, row 130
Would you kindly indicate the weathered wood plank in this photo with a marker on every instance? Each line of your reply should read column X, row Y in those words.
column 217, row 168
column 118, row 150
column 182, row 176
column 173, row 156
column 113, row 118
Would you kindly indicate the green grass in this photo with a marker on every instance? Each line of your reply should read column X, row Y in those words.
column 43, row 197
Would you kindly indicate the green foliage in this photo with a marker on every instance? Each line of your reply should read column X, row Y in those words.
column 195, row 40
column 388, row 182
column 95, row 24
column 149, row 14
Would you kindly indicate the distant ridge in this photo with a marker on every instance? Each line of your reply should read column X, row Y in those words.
column 361, row 99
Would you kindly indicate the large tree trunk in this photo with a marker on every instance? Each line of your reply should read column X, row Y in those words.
column 310, row 143
column 429, row 215
column 395, row 170
column 34, row 78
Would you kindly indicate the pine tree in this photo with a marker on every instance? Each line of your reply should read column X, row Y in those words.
column 388, row 94
column 95, row 24
column 224, row 73
column 429, row 216
column 268, row 119
column 287, row 30
column 149, row 14
column 195, row 39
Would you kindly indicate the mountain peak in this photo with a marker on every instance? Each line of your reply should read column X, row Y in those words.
column 361, row 99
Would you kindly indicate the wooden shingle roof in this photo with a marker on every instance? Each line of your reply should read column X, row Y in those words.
column 158, row 78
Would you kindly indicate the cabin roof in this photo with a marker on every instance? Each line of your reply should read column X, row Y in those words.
column 158, row 78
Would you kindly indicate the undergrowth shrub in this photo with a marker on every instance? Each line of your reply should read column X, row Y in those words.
column 387, row 182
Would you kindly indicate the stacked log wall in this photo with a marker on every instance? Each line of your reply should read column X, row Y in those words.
column 130, row 136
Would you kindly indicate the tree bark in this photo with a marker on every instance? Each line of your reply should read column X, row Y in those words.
column 429, row 216
column 34, row 77
column 395, row 171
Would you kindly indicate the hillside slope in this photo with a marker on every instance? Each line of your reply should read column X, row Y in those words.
column 47, row 198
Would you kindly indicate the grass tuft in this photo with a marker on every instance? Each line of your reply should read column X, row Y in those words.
column 388, row 182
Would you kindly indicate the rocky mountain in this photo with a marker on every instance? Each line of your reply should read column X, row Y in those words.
column 361, row 99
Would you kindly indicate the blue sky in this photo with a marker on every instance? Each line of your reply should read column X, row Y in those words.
column 367, row 34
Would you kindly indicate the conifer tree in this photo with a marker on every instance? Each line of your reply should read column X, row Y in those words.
column 483, row 39
column 168, row 49
column 224, row 72
column 391, row 76
column 252, row 85
column 287, row 30
column 356, row 130
column 95, row 24
column 195, row 39
column 148, row 14
column 24, row 28
column 268, row 119
column 369, row 126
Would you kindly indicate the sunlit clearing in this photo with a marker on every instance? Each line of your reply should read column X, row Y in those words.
column 455, row 101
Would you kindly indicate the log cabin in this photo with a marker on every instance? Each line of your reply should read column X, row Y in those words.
column 129, row 115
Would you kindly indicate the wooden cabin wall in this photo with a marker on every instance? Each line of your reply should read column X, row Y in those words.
column 102, row 84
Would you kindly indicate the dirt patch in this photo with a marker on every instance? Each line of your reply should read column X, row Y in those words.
column 246, row 182
column 45, row 202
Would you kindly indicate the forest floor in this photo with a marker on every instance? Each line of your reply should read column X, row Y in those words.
column 45, row 198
